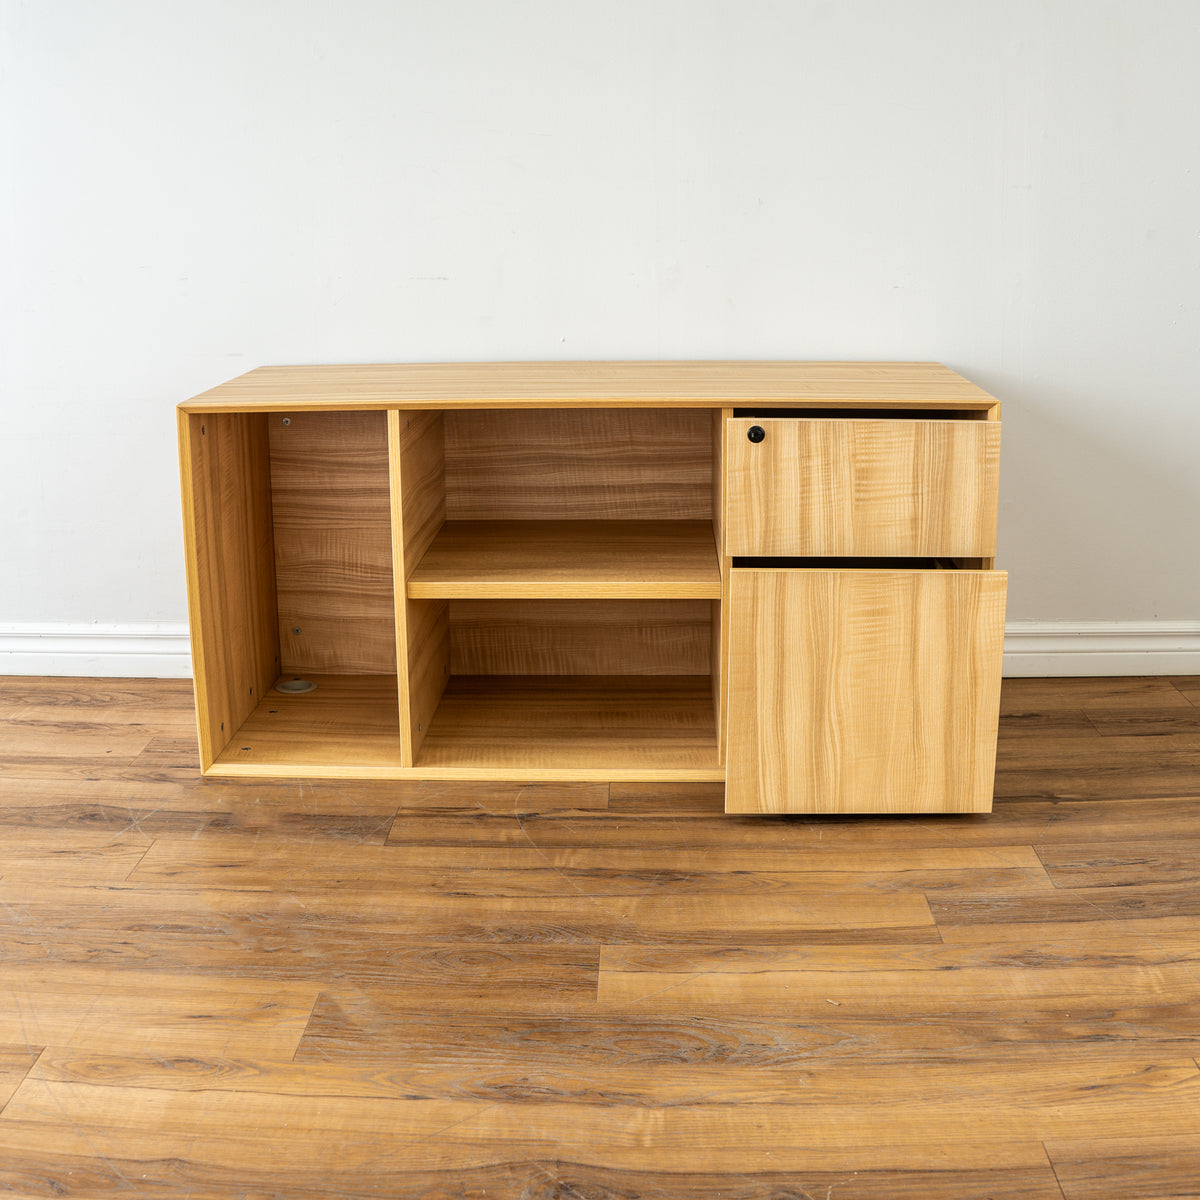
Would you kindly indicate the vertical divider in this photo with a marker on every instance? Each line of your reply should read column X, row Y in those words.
column 417, row 465
column 720, row 608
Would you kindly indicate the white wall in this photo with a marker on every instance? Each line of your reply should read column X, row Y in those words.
column 191, row 190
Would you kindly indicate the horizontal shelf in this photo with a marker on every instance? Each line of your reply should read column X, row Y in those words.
column 508, row 560
column 621, row 723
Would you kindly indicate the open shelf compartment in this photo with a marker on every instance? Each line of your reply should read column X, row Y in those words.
column 288, row 536
column 558, row 588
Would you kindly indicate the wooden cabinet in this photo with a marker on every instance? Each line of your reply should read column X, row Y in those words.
column 594, row 571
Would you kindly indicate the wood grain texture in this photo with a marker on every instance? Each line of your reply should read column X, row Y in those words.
column 630, row 464
column 505, row 722
column 354, row 988
column 595, row 384
column 333, row 553
column 863, row 691
column 428, row 625
column 15, row 1063
column 1149, row 1167
column 229, row 552
column 349, row 722
column 416, row 443
column 570, row 559
column 720, row 611
column 580, row 637
column 858, row 487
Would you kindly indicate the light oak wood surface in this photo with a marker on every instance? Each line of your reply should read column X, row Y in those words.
column 229, row 554
column 595, row 384
column 580, row 637
column 350, row 725
column 863, row 690
column 407, row 988
column 331, row 516
column 628, row 464
column 569, row 559
column 860, row 487
column 417, row 458
column 490, row 723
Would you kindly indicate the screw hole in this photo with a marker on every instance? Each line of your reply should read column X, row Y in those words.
column 287, row 420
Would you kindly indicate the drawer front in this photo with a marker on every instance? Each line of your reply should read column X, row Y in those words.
column 880, row 488
column 863, row 691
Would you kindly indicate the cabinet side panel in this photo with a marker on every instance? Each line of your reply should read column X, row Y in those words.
column 580, row 637
column 864, row 691
column 225, row 471
column 828, row 488
column 418, row 465
column 614, row 464
column 333, row 553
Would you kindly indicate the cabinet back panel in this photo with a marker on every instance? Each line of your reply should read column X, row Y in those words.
column 580, row 637
column 330, row 493
column 615, row 464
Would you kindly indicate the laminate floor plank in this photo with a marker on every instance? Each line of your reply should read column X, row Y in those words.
column 1146, row 722
column 1018, row 1172
column 916, row 982
column 1068, row 722
column 25, row 739
column 87, row 692
column 1012, row 823
column 121, row 910
column 1147, row 907
column 1152, row 862
column 1153, row 1167
column 1046, row 695
column 295, row 1132
column 84, row 855
column 528, row 871
column 141, row 1011
column 371, row 1026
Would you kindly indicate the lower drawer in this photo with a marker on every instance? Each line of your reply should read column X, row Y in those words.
column 863, row 690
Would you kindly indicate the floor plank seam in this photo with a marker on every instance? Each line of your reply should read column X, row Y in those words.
column 141, row 859
column 33, row 1062
column 312, row 1012
column 1057, row 1182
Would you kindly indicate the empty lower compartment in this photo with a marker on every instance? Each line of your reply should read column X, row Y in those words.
column 348, row 725
column 620, row 687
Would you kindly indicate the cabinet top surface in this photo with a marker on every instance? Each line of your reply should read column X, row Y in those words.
column 594, row 385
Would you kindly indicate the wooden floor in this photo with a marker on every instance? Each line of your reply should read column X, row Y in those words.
column 217, row 989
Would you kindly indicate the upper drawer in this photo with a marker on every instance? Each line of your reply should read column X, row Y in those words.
column 832, row 487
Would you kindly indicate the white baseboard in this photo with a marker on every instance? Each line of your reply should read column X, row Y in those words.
column 129, row 651
column 1048, row 648
column 1031, row 648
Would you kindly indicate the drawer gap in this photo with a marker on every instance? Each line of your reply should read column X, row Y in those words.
column 865, row 413
column 862, row 563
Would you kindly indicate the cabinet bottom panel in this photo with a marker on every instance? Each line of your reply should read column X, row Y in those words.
column 609, row 724
column 487, row 727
